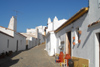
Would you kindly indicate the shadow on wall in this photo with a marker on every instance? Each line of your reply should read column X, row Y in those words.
column 90, row 30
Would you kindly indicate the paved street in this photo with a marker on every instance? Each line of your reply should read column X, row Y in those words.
column 35, row 57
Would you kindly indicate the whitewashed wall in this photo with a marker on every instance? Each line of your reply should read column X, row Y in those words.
column 57, row 24
column 7, row 31
column 48, row 44
column 21, row 46
column 87, row 49
column 40, row 32
column 3, row 43
column 51, row 43
column 32, row 42
column 12, row 43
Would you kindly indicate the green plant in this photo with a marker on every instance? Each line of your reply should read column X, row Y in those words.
column 84, row 65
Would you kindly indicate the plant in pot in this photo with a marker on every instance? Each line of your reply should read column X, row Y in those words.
column 79, row 41
column 73, row 43
column 73, row 38
column 80, row 32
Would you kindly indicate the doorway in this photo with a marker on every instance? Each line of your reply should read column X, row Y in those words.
column 17, row 46
column 69, row 42
column 98, row 47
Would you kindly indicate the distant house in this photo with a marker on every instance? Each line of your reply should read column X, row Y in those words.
column 31, row 39
column 80, row 36
column 35, row 36
column 41, row 34
column 51, row 36
column 10, row 39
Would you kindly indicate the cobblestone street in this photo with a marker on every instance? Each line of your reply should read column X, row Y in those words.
column 35, row 57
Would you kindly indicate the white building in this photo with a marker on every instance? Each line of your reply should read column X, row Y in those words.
column 51, row 36
column 10, row 40
column 35, row 36
column 31, row 39
column 41, row 34
column 80, row 36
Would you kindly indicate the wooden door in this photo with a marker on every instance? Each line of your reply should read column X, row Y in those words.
column 69, row 42
column 69, row 48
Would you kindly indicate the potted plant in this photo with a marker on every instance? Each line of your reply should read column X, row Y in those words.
column 80, row 32
column 79, row 41
column 73, row 38
column 73, row 43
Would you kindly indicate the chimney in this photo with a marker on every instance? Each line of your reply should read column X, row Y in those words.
column 13, row 24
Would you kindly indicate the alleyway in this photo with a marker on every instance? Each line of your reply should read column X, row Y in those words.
column 35, row 57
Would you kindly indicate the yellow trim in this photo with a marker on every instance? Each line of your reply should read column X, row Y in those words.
column 72, row 19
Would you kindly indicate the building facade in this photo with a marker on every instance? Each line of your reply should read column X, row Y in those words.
column 10, row 39
column 81, row 36
column 31, row 40
column 51, row 36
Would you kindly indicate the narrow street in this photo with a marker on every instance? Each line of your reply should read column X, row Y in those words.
column 35, row 57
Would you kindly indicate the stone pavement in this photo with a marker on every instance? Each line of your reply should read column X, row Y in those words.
column 35, row 57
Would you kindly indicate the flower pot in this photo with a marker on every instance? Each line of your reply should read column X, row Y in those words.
column 73, row 43
column 73, row 38
column 79, row 41
column 80, row 32
column 89, row 25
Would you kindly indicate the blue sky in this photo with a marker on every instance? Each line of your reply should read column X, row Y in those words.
column 33, row 13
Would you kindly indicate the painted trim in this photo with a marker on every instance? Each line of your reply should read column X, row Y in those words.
column 73, row 18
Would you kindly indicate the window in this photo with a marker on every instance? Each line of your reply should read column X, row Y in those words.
column 8, row 43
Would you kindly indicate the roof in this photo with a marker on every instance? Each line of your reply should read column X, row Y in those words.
column 73, row 18
column 7, row 28
column 6, row 34
column 11, row 30
column 22, row 35
column 28, row 35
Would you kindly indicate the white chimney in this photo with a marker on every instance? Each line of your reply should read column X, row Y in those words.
column 13, row 24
